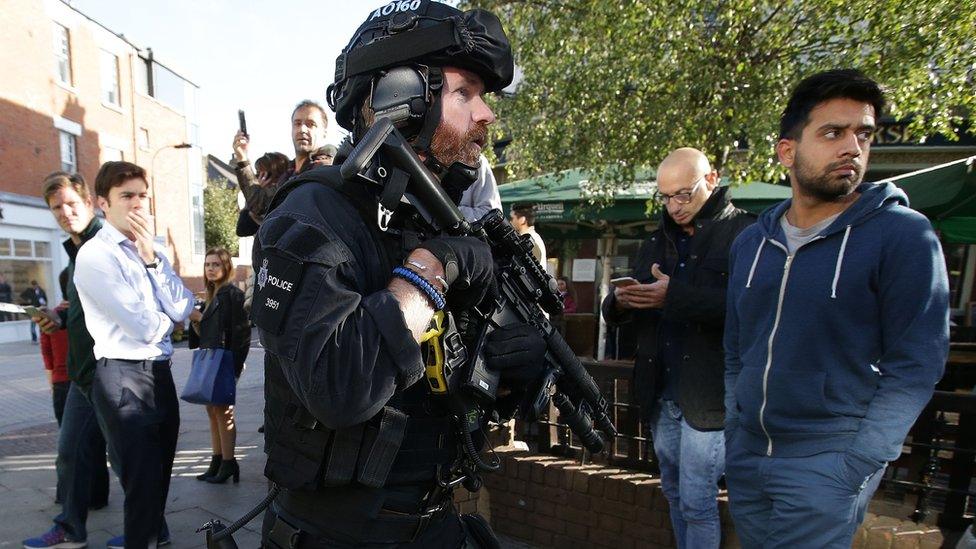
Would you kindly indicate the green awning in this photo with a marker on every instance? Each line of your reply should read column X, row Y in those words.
column 561, row 208
column 946, row 194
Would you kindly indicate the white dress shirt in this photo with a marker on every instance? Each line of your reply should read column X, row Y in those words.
column 129, row 309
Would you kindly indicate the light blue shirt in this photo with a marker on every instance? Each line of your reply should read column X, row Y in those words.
column 129, row 310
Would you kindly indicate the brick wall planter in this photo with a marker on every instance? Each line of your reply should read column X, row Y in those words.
column 552, row 502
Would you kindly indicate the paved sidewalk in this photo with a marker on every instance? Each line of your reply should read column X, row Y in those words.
column 28, row 447
column 27, row 454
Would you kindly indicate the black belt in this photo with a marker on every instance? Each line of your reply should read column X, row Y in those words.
column 385, row 528
column 147, row 362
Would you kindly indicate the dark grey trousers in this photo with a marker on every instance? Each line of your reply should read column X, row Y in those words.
column 139, row 412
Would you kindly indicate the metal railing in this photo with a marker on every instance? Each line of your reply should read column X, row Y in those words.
column 631, row 448
column 938, row 466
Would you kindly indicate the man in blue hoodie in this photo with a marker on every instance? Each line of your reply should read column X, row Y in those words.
column 836, row 331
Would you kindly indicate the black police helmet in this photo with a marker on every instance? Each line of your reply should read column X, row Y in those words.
column 419, row 32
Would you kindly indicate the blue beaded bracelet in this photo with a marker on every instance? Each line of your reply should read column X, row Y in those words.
column 421, row 284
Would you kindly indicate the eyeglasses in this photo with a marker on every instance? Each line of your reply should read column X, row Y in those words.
column 680, row 198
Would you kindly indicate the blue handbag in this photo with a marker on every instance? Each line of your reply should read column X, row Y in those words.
column 211, row 378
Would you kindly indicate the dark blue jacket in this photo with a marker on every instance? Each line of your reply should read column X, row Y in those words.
column 838, row 347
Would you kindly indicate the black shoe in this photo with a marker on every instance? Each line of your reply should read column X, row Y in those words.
column 212, row 470
column 228, row 468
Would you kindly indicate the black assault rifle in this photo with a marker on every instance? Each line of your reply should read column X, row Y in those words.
column 524, row 294
column 524, row 291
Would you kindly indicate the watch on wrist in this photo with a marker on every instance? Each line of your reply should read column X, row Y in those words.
column 154, row 264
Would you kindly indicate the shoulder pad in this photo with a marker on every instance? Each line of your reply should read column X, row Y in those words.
column 303, row 241
column 327, row 176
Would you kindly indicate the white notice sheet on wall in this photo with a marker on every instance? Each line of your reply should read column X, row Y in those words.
column 584, row 270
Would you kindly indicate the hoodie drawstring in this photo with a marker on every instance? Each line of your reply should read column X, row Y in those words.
column 755, row 261
column 840, row 261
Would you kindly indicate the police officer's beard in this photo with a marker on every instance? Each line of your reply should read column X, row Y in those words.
column 827, row 186
column 449, row 146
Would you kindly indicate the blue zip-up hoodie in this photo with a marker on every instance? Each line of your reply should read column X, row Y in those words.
column 839, row 346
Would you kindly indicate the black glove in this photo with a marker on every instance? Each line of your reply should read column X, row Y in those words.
column 517, row 352
column 468, row 268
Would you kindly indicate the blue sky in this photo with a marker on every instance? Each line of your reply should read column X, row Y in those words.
column 256, row 55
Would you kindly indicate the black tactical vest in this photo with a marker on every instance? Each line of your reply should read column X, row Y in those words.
column 408, row 442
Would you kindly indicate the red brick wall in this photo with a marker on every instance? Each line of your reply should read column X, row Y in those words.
column 31, row 99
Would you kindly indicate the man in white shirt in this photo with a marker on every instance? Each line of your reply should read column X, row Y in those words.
column 523, row 219
column 132, row 299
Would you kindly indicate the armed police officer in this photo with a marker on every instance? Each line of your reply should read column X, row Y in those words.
column 349, row 277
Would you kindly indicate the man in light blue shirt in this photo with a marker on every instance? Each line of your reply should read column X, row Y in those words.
column 132, row 299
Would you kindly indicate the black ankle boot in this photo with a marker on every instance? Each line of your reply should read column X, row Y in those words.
column 212, row 470
column 228, row 468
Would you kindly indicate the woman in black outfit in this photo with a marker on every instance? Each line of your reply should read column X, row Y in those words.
column 224, row 325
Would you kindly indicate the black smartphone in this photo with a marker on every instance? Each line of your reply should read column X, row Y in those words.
column 240, row 117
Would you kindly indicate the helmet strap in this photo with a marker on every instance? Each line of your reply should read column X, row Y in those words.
column 435, row 82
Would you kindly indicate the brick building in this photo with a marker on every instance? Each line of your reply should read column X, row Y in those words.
column 74, row 94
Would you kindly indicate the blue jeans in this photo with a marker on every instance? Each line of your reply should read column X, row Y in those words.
column 82, row 474
column 691, row 463
column 813, row 501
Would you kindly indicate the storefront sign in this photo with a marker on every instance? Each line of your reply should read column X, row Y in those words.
column 893, row 133
column 549, row 211
column 584, row 270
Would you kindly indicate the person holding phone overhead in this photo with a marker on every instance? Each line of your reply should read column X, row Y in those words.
column 678, row 303
column 308, row 126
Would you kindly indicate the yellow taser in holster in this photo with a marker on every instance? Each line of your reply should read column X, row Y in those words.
column 434, row 359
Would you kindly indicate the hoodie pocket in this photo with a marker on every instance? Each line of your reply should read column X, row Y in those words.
column 748, row 397
column 795, row 395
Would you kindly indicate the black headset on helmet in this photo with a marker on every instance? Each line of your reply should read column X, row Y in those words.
column 396, row 57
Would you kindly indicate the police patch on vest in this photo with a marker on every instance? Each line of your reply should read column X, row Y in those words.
column 277, row 283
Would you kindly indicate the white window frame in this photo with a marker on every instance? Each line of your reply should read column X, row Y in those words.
column 62, row 54
column 69, row 151
column 110, row 69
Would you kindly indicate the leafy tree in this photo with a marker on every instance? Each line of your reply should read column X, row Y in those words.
column 620, row 83
column 220, row 216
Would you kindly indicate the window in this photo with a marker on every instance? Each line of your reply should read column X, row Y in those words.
column 111, row 154
column 22, row 248
column 110, row 78
column 42, row 249
column 21, row 261
column 141, row 76
column 196, row 213
column 62, row 54
column 69, row 155
column 144, row 139
column 168, row 87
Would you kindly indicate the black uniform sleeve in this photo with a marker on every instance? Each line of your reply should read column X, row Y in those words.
column 343, row 353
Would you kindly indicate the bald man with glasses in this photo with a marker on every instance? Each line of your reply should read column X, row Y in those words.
column 678, row 307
